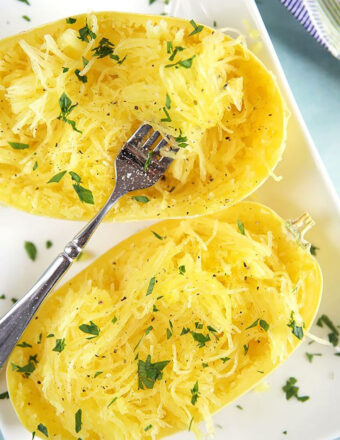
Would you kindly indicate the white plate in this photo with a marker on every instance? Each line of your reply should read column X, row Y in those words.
column 305, row 186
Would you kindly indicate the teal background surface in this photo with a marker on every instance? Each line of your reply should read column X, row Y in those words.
column 314, row 77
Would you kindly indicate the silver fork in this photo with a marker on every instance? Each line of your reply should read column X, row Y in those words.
column 137, row 166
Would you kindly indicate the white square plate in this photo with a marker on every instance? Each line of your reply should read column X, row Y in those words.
column 305, row 187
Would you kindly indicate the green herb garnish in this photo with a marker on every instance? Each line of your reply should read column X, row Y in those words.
column 112, row 401
column 182, row 141
column 50, row 335
column 313, row 250
column 239, row 407
column 4, row 395
column 31, row 250
column 310, row 356
column 148, row 160
column 85, row 34
column 200, row 338
column 148, row 427
column 82, row 78
column 141, row 199
column 197, row 28
column 59, row 345
column 184, row 331
column 91, row 329
column 333, row 337
column 105, row 48
column 57, row 178
column 114, row 320
column 225, row 359
column 204, row 365
column 35, row 166
column 14, row 300
column 151, row 286
column 240, row 226
column 49, row 244
column 182, row 63
column 26, row 17
column 26, row 369
column 245, row 348
column 97, row 373
column 3, row 296
column 181, row 270
column 190, row 423
column 25, row 1
column 42, row 428
column 66, row 107
column 77, row 420
column 157, row 235
column 296, row 330
column 24, row 345
column 292, row 390
column 65, row 69
column 167, row 102
column 70, row 20
column 264, row 324
column 194, row 393
column 18, row 145
column 75, row 176
column 149, row 372
column 168, row 118
column 85, row 195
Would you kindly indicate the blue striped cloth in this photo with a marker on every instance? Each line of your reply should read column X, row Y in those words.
column 321, row 18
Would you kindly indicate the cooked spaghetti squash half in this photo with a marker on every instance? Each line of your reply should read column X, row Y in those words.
column 166, row 328
column 72, row 93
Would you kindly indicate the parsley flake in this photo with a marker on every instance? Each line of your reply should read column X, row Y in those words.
column 4, row 395
column 25, row 17
column 77, row 420
column 296, row 330
column 18, row 145
column 184, row 331
column 200, row 338
column 59, row 345
column 70, row 20
column 157, row 235
column 26, row 369
column 75, row 176
column 35, row 166
column 148, row 427
column 141, row 199
column 82, row 78
column 65, row 69
column 114, row 320
column 85, row 195
column 197, row 28
column 292, row 390
column 148, row 160
column 168, row 118
column 225, row 359
column 181, row 270
column 97, row 373
column 85, row 34
column 167, row 102
column 49, row 244
column 333, row 337
column 149, row 372
column 24, row 345
column 313, row 250
column 57, row 177
column 112, row 401
column 151, row 286
column 66, row 107
column 240, row 226
column 105, row 48
column 190, row 423
column 25, row 1
column 91, row 329
column 182, row 63
column 310, row 356
column 245, row 348
column 194, row 393
column 31, row 250
column 42, row 428
column 182, row 141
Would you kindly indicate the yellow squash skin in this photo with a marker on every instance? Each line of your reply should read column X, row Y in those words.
column 229, row 281
column 227, row 104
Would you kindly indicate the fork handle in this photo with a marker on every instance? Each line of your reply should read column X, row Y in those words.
column 13, row 324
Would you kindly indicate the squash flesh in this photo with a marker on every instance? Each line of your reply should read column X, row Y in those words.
column 230, row 281
column 227, row 105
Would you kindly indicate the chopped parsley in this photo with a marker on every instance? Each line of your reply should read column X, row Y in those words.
column 141, row 199
column 35, row 166
column 85, row 61
column 25, row 1
column 49, row 244
column 296, row 330
column 197, row 28
column 173, row 52
column 151, row 286
column 157, row 235
column 182, row 141
column 97, row 373
column 149, row 372
column 114, row 320
column 24, row 345
column 70, row 20
column 3, row 296
column 204, row 365
column 263, row 324
column 85, row 195
column 310, row 356
column 292, row 390
column 200, row 338
column 26, row 17
column 198, row 325
column 148, row 160
column 168, row 118
column 240, row 226
column 26, row 369
column 105, row 48
column 59, row 345
column 50, row 335
column 82, row 78
column 42, row 428
column 14, row 300
column 66, row 107
column 190, row 423
column 31, row 250
column 148, row 427
column 77, row 420
column 91, row 329
column 40, row 338
column 184, row 331
column 148, row 330
column 75, row 176
column 181, row 269
column 112, row 401
column 182, row 63
column 167, row 102
column 194, row 393
column 245, row 348
column 313, row 250
column 85, row 34
column 239, row 407
column 151, row 1
column 4, row 395
column 65, row 69
column 18, row 145
column 225, row 359
column 57, row 178
column 169, row 331
column 333, row 337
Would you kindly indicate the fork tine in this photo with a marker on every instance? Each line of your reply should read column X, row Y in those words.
column 152, row 139
column 160, row 145
column 140, row 133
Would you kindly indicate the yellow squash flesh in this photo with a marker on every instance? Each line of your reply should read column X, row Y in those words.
column 227, row 105
column 237, row 291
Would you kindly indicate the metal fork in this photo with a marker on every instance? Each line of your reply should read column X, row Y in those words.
column 137, row 166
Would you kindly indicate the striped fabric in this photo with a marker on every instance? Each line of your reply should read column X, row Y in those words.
column 321, row 18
